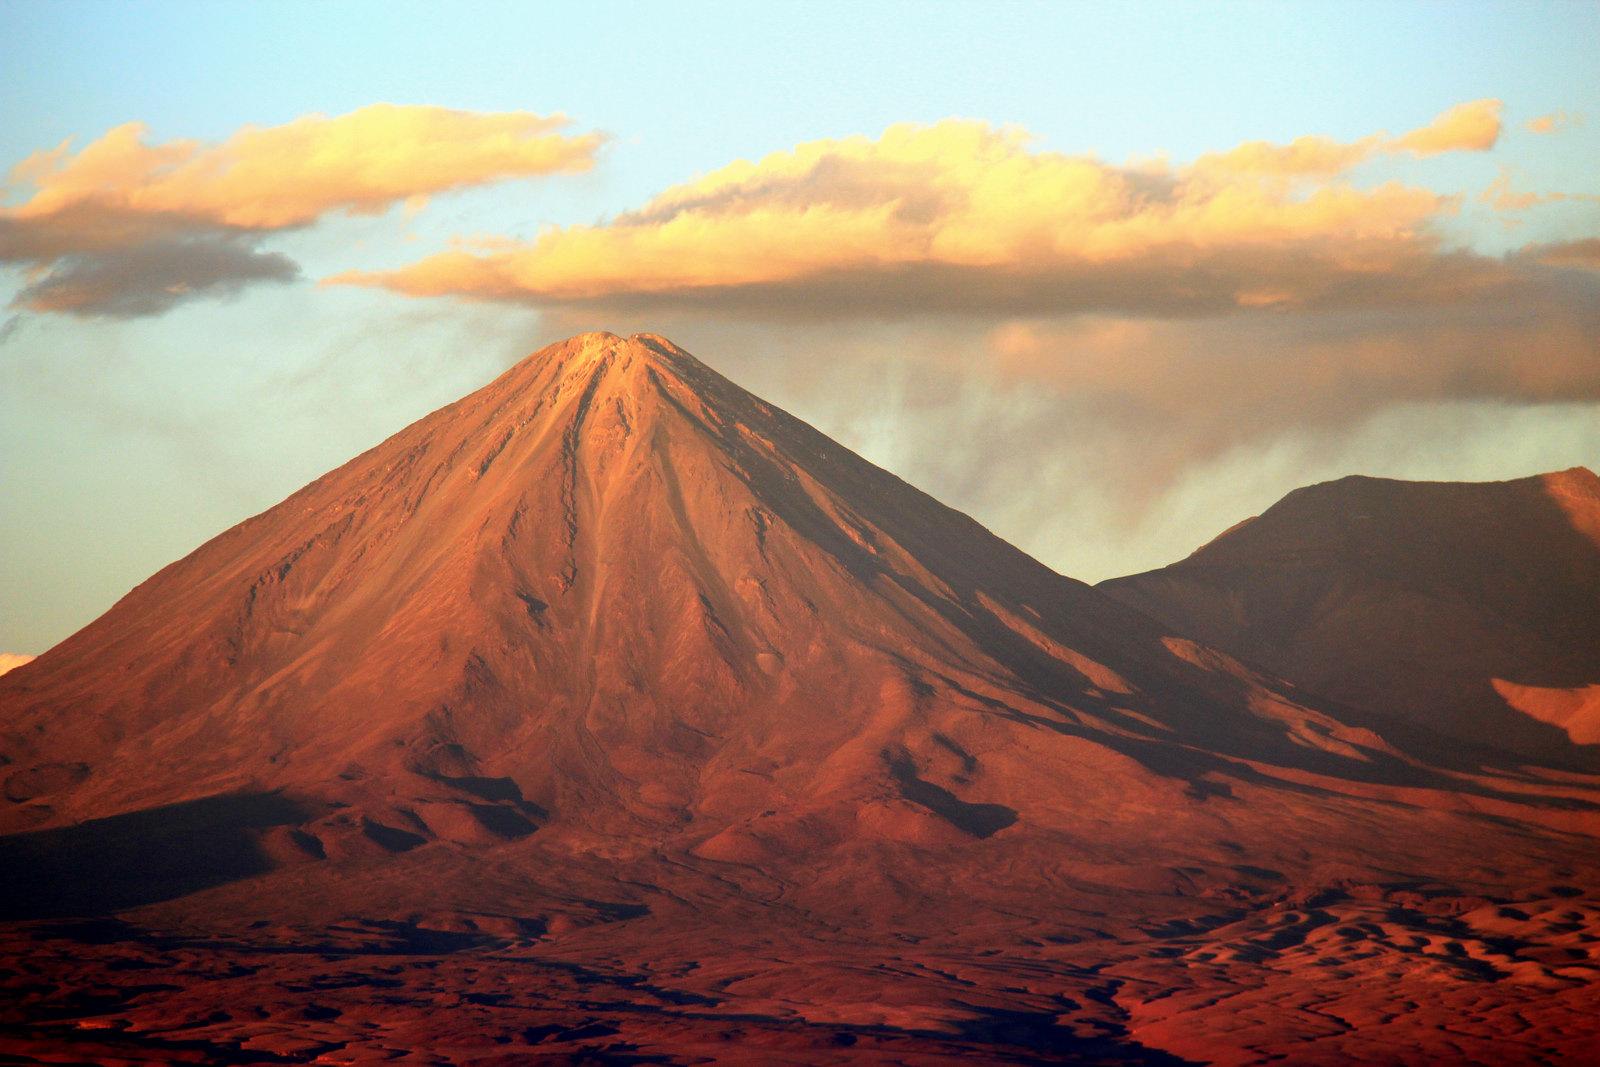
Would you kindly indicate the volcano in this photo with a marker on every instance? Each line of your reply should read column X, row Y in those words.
column 611, row 714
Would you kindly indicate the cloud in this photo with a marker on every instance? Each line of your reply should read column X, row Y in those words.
column 1470, row 127
column 1554, row 122
column 267, row 178
column 1303, row 157
column 1583, row 253
column 152, row 277
column 10, row 661
column 1228, row 380
column 127, row 227
column 961, row 216
column 1501, row 196
column 1163, row 401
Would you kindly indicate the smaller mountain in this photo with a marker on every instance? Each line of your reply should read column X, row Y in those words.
column 1468, row 612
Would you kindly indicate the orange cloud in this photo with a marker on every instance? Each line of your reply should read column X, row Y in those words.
column 195, row 208
column 1470, row 127
column 266, row 178
column 1501, row 195
column 10, row 661
column 1554, row 122
column 961, row 214
column 1304, row 156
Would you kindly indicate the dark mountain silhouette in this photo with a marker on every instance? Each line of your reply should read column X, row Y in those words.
column 1468, row 610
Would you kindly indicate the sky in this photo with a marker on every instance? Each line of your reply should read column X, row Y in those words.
column 1107, row 277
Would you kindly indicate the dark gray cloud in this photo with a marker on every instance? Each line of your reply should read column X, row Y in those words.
column 152, row 277
column 89, row 260
column 83, row 229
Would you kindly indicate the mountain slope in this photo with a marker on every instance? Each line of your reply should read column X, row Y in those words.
column 618, row 580
column 1471, row 610
column 611, row 702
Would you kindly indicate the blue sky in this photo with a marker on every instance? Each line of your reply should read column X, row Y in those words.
column 125, row 442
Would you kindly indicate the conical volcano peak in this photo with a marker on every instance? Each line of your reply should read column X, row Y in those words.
column 611, row 541
column 598, row 345
column 605, row 340
column 610, row 355
column 625, row 381
column 580, row 357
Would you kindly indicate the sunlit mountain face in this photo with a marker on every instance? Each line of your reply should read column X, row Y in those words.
column 613, row 709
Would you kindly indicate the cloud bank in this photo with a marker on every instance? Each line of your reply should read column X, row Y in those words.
column 124, row 227
column 962, row 216
column 1583, row 253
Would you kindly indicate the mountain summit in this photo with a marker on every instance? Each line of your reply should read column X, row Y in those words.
column 613, row 677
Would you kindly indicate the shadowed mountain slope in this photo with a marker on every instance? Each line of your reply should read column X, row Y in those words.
column 1469, row 610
